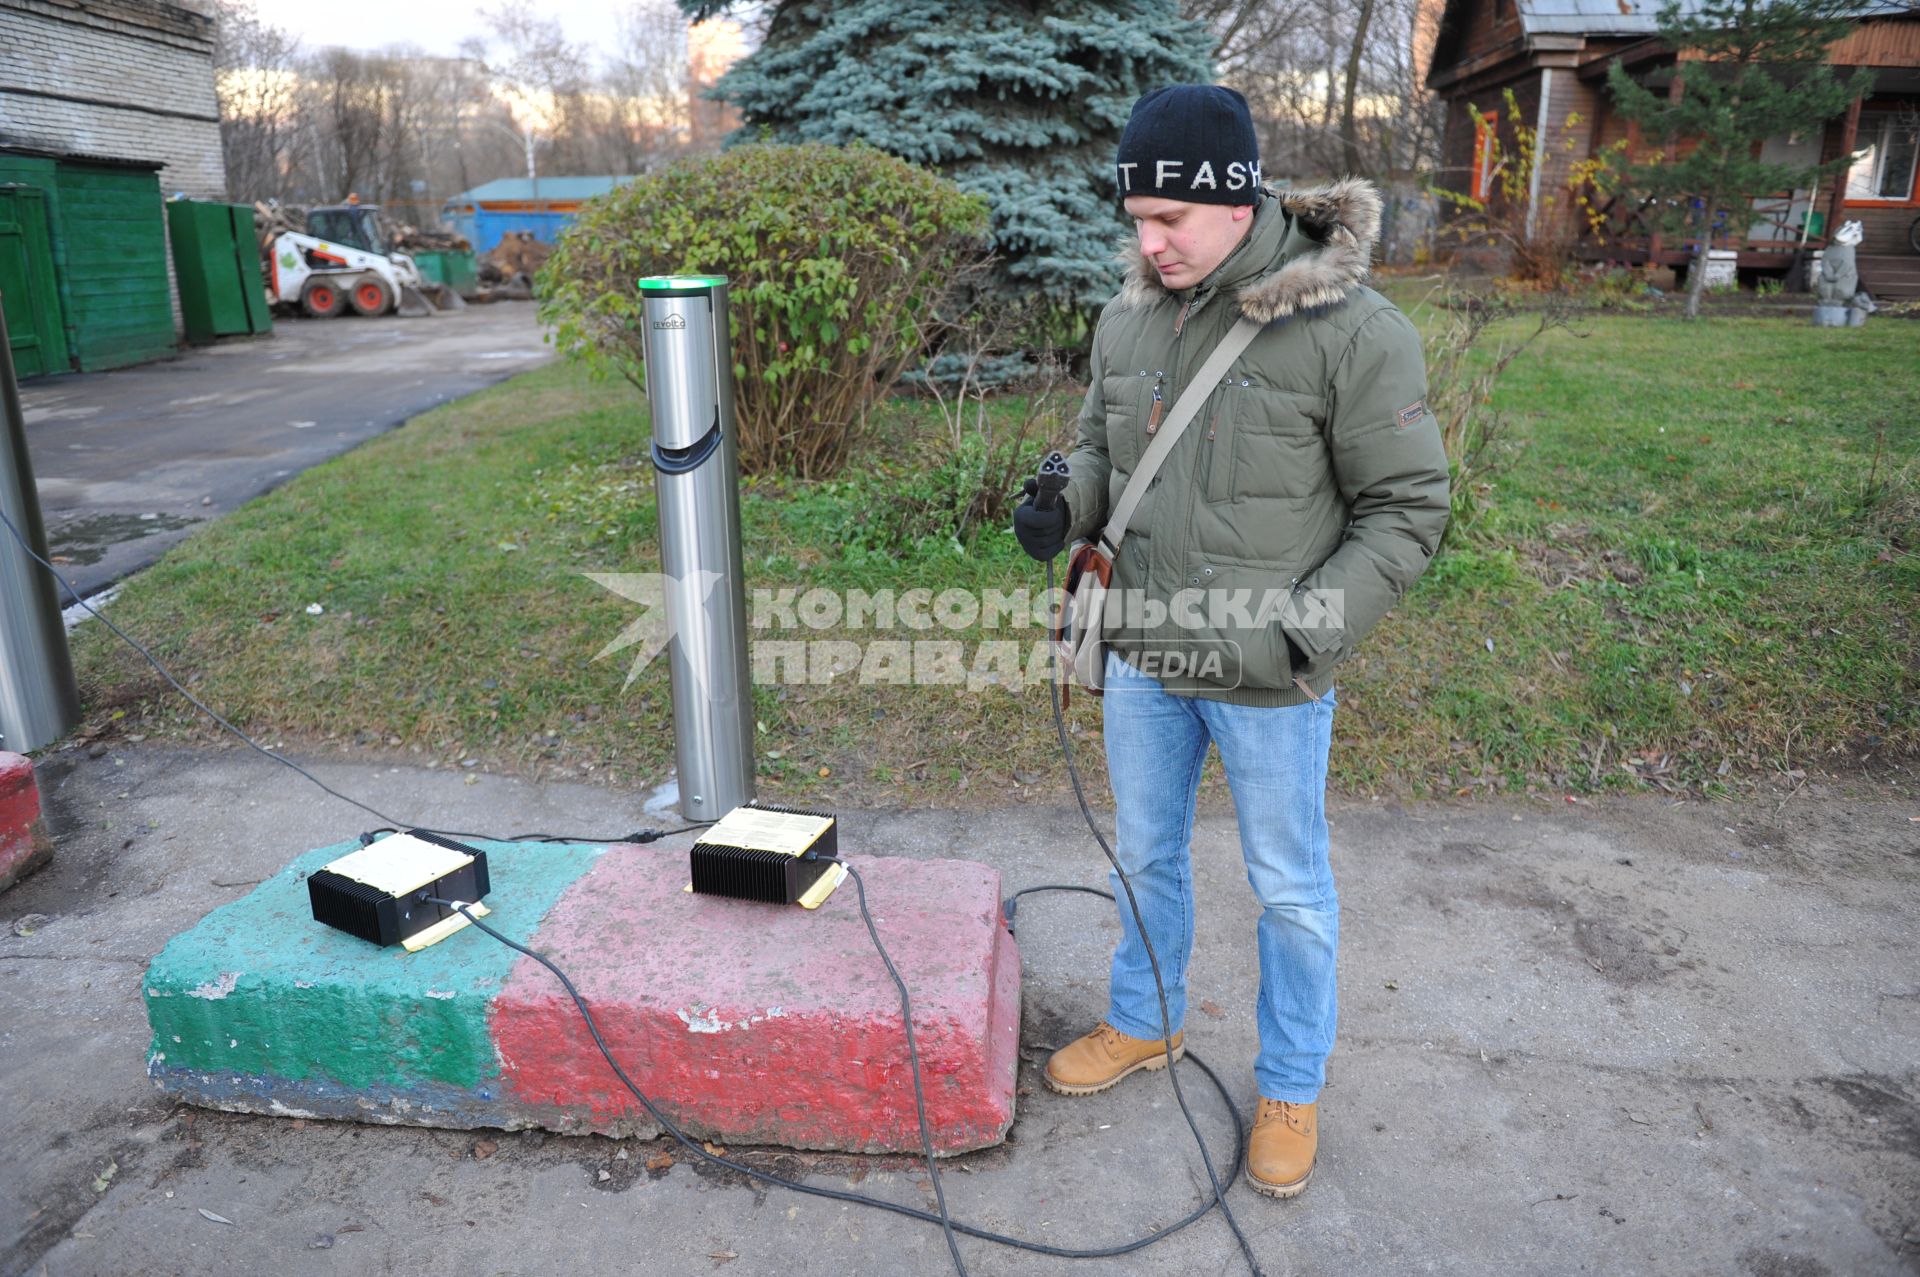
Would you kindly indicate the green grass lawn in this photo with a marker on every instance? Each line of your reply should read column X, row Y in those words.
column 1698, row 567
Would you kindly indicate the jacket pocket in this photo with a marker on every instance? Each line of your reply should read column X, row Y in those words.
column 1233, row 607
column 1126, row 397
column 1221, row 417
column 1279, row 449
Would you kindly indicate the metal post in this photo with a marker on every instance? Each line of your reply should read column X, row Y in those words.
column 38, row 699
column 690, row 389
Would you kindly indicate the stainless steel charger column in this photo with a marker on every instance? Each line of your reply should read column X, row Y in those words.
column 38, row 702
column 690, row 390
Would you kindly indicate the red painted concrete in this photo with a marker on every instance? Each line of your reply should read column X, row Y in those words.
column 756, row 1023
column 24, row 845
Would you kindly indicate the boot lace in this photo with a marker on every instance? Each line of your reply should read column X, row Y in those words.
column 1293, row 1115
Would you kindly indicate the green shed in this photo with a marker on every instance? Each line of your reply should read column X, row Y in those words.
column 106, row 235
column 29, row 291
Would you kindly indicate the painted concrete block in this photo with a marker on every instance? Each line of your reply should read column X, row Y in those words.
column 744, row 1022
column 761, row 1024
column 24, row 845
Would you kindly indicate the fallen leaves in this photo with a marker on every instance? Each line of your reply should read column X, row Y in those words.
column 213, row 1218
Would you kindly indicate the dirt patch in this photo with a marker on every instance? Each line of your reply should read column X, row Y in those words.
column 1621, row 954
column 1571, row 557
column 1774, row 1263
column 1893, row 1118
column 1453, row 855
column 1623, row 941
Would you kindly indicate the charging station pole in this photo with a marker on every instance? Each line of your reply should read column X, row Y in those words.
column 38, row 700
column 695, row 475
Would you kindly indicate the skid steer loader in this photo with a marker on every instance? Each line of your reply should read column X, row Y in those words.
column 344, row 259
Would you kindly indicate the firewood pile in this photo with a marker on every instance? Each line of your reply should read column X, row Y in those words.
column 272, row 220
column 415, row 239
column 507, row 272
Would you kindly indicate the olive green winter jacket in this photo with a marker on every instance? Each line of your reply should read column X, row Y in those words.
column 1310, row 491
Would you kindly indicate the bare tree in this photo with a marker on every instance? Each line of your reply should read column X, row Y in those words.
column 254, row 80
column 372, row 124
column 646, row 84
column 1244, row 33
column 1356, row 47
column 542, row 76
column 1332, row 83
column 399, row 126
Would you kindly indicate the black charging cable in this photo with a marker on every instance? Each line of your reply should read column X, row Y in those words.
column 948, row 1225
column 637, row 836
column 906, row 1019
column 1140, row 926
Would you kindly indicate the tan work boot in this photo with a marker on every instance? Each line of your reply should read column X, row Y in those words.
column 1280, row 1154
column 1104, row 1056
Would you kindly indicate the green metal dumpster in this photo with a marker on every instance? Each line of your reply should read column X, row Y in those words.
column 458, row 270
column 217, row 264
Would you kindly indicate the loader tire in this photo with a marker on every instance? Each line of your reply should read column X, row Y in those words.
column 322, row 299
column 370, row 296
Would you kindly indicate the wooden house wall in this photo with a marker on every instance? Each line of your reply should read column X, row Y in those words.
column 1880, row 42
column 1494, row 23
column 1490, row 25
column 1568, row 136
column 1883, row 223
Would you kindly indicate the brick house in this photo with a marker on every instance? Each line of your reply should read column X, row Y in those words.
column 106, row 108
column 1553, row 56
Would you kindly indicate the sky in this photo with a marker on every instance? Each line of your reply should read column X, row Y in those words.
column 434, row 25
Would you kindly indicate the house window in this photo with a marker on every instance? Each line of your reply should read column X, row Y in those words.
column 1486, row 154
column 1888, row 149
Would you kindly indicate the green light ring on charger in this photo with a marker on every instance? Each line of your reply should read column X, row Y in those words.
column 677, row 283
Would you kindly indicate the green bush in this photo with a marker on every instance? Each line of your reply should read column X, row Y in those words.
column 837, row 258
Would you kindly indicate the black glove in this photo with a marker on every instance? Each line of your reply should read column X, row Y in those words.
column 1041, row 533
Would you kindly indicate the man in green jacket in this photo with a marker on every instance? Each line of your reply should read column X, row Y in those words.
column 1290, row 515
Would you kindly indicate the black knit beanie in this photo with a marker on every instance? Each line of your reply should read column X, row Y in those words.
column 1190, row 142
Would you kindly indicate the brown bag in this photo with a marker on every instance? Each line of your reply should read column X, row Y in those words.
column 1083, row 646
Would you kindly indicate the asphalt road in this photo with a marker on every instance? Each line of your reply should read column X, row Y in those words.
column 1637, row 1037
column 128, row 462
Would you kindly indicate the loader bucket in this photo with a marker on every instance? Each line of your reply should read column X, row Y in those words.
column 413, row 303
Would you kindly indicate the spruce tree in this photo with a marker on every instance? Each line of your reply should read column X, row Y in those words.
column 1749, row 70
column 1021, row 101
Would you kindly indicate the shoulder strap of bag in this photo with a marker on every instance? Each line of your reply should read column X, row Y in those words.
column 1185, row 409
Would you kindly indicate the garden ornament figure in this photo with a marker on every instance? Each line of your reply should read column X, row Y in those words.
column 1285, row 517
column 1840, row 302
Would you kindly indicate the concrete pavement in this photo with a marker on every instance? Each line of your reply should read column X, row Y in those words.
column 1625, row 1038
column 129, row 461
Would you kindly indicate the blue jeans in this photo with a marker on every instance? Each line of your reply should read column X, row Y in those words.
column 1276, row 766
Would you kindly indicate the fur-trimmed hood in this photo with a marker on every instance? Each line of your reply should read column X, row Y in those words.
column 1325, row 256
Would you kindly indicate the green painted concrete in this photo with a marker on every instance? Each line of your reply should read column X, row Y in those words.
column 258, row 987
